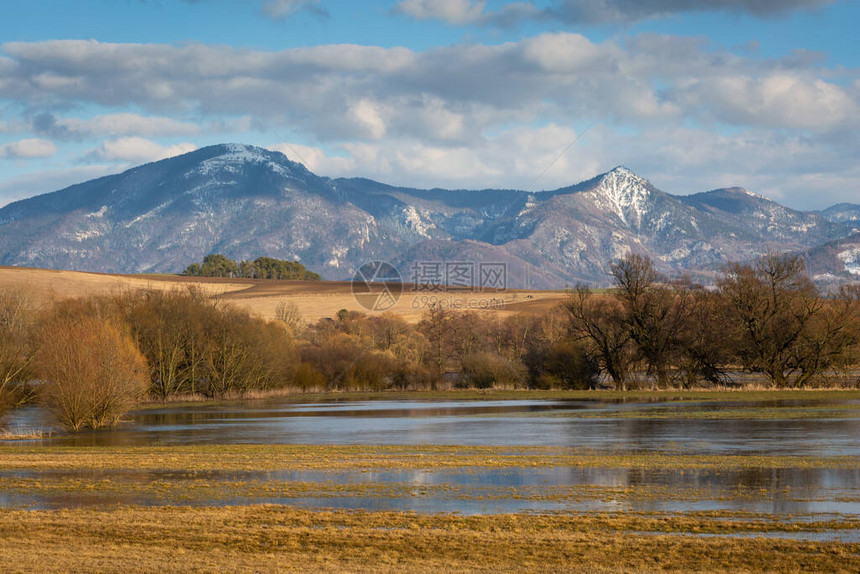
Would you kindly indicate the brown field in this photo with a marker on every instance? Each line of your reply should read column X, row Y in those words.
column 283, row 539
column 201, row 535
column 315, row 299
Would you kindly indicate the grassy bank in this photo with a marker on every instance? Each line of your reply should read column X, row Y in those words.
column 364, row 458
column 525, row 394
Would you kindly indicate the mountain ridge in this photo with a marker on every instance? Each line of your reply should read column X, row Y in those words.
column 246, row 201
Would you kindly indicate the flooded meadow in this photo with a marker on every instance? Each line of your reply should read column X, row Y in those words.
column 790, row 463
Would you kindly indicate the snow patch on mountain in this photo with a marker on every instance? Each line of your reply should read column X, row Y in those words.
column 337, row 253
column 247, row 201
column 529, row 206
column 626, row 194
column 851, row 259
column 237, row 157
column 414, row 221
column 80, row 236
column 98, row 214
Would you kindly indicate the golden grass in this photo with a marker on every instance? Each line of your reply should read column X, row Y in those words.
column 24, row 434
column 244, row 457
column 277, row 539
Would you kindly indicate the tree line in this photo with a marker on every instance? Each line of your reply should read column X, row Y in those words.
column 766, row 319
column 92, row 359
column 216, row 265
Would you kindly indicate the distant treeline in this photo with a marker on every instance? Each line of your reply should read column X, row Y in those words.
column 216, row 265
column 96, row 357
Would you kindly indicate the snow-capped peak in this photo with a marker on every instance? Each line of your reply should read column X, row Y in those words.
column 243, row 152
column 746, row 192
column 236, row 156
column 621, row 169
column 624, row 193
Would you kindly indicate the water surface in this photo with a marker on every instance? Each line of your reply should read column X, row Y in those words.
column 597, row 425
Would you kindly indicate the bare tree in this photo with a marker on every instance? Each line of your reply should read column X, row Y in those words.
column 772, row 306
column 706, row 340
column 599, row 324
column 289, row 315
column 830, row 338
column 435, row 325
column 655, row 313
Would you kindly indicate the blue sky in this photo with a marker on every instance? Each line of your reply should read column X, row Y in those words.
column 691, row 94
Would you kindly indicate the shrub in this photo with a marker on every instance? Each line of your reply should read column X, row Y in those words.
column 195, row 344
column 563, row 365
column 92, row 372
column 485, row 370
column 308, row 378
column 245, row 353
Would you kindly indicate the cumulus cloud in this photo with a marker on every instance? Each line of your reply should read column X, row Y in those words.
column 780, row 100
column 514, row 157
column 316, row 160
column 458, row 12
column 468, row 12
column 28, row 149
column 111, row 125
column 136, row 149
column 473, row 115
column 795, row 170
column 450, row 93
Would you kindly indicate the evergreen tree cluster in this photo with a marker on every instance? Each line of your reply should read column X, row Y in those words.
column 217, row 265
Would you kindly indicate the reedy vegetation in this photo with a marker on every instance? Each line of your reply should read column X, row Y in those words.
column 767, row 319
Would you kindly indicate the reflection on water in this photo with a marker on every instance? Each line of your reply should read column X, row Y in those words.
column 497, row 423
column 790, row 491
column 785, row 491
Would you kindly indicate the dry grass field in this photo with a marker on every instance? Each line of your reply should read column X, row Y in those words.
column 202, row 535
column 262, row 297
column 283, row 539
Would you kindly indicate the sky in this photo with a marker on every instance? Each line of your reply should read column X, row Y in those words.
column 693, row 95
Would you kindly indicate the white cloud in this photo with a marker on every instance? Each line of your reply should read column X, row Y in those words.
column 514, row 158
column 781, row 99
column 366, row 114
column 793, row 170
column 316, row 160
column 458, row 12
column 112, row 125
column 28, row 148
column 136, row 149
column 355, row 92
column 470, row 114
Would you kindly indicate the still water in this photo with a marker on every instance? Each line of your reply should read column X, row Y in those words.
column 602, row 426
column 614, row 428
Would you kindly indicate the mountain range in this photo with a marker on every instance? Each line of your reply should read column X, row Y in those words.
column 246, row 202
